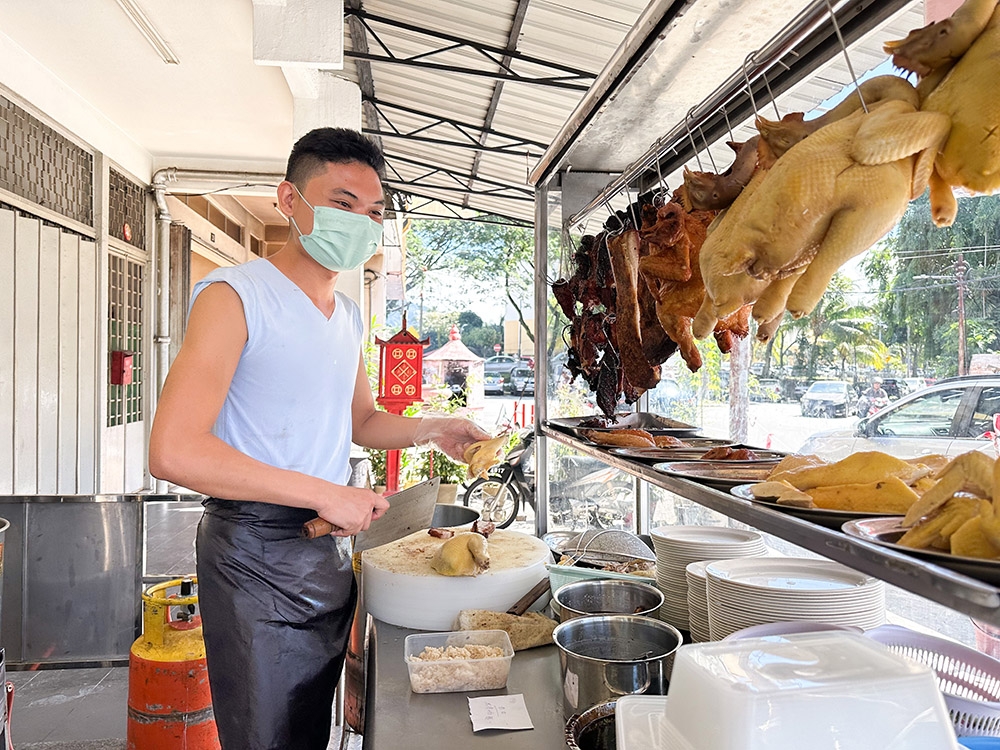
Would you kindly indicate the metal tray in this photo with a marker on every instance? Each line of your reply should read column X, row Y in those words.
column 693, row 453
column 831, row 519
column 886, row 531
column 654, row 424
column 722, row 475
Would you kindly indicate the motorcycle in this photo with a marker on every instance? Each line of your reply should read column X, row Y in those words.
column 869, row 405
column 587, row 498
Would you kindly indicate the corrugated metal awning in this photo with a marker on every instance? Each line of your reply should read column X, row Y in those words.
column 466, row 97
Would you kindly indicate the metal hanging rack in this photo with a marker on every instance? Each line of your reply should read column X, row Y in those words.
column 808, row 41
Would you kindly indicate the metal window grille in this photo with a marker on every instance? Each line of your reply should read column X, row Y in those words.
column 126, row 208
column 40, row 164
column 125, row 278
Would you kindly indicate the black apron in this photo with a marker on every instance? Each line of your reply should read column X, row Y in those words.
column 276, row 610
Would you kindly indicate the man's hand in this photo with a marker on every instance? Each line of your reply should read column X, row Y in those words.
column 351, row 509
column 450, row 435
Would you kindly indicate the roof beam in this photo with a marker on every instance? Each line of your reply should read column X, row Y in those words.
column 456, row 209
column 405, row 185
column 512, row 36
column 381, row 104
column 460, row 176
column 413, row 137
column 563, row 76
column 366, row 82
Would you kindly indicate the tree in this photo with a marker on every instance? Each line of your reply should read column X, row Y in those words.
column 916, row 276
column 498, row 256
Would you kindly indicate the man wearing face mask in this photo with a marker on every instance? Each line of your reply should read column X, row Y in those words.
column 258, row 412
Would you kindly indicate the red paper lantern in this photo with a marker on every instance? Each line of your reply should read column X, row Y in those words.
column 400, row 370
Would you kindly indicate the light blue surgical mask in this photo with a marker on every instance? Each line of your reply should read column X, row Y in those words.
column 340, row 240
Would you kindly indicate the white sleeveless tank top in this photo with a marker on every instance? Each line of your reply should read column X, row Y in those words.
column 289, row 404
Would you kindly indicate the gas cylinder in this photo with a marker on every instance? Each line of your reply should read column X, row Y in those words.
column 169, row 701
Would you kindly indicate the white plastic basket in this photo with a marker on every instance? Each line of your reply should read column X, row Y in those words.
column 969, row 680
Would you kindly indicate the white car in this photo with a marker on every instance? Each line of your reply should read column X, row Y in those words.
column 951, row 417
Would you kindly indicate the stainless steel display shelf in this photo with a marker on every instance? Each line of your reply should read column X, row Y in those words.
column 959, row 592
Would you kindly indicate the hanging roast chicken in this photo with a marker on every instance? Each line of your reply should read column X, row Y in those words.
column 829, row 198
column 959, row 60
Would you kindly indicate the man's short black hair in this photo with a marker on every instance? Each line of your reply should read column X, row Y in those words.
column 324, row 146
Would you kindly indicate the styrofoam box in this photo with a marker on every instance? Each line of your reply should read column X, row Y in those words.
column 810, row 690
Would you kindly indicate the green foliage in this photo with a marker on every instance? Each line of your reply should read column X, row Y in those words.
column 918, row 289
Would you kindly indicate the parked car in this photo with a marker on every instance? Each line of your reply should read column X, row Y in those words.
column 767, row 390
column 827, row 398
column 915, row 384
column 950, row 417
column 501, row 363
column 522, row 381
column 493, row 384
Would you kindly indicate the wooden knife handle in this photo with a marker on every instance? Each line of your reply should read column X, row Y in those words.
column 317, row 527
column 521, row 605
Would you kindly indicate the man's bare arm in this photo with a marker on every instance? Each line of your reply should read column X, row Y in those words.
column 384, row 431
column 183, row 450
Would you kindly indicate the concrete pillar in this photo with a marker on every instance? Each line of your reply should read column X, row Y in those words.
column 322, row 100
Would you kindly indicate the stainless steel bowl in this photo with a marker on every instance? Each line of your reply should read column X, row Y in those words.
column 452, row 515
column 602, row 658
column 607, row 597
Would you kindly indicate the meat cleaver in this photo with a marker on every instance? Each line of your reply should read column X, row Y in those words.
column 409, row 510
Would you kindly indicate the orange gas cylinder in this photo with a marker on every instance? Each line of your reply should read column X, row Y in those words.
column 169, row 702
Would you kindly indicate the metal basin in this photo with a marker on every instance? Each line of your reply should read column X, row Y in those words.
column 604, row 657
column 594, row 729
column 607, row 597
column 453, row 515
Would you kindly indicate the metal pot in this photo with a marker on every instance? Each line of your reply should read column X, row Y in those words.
column 594, row 729
column 604, row 657
column 607, row 597
column 453, row 515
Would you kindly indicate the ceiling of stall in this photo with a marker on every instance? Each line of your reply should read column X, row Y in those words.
column 619, row 125
column 465, row 97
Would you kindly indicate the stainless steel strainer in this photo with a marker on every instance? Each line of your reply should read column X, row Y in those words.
column 604, row 546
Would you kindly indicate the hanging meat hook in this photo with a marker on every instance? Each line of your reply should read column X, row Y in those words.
column 694, row 146
column 707, row 149
column 847, row 57
column 659, row 196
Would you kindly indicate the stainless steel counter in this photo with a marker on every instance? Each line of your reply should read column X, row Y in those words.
column 397, row 717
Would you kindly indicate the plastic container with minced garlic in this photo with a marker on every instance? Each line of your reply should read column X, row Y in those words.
column 459, row 661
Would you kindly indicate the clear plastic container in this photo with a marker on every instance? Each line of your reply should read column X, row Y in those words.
column 815, row 690
column 452, row 662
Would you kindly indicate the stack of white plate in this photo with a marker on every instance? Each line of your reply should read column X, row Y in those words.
column 742, row 593
column 677, row 546
column 697, row 581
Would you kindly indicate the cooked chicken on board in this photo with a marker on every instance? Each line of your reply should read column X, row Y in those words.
column 959, row 59
column 829, row 198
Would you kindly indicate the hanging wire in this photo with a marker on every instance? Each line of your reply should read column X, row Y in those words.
column 631, row 208
column 708, row 150
column 660, row 196
column 847, row 57
column 694, row 146
column 621, row 225
column 729, row 126
column 770, row 94
column 746, row 77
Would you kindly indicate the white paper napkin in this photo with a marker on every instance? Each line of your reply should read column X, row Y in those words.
column 499, row 712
